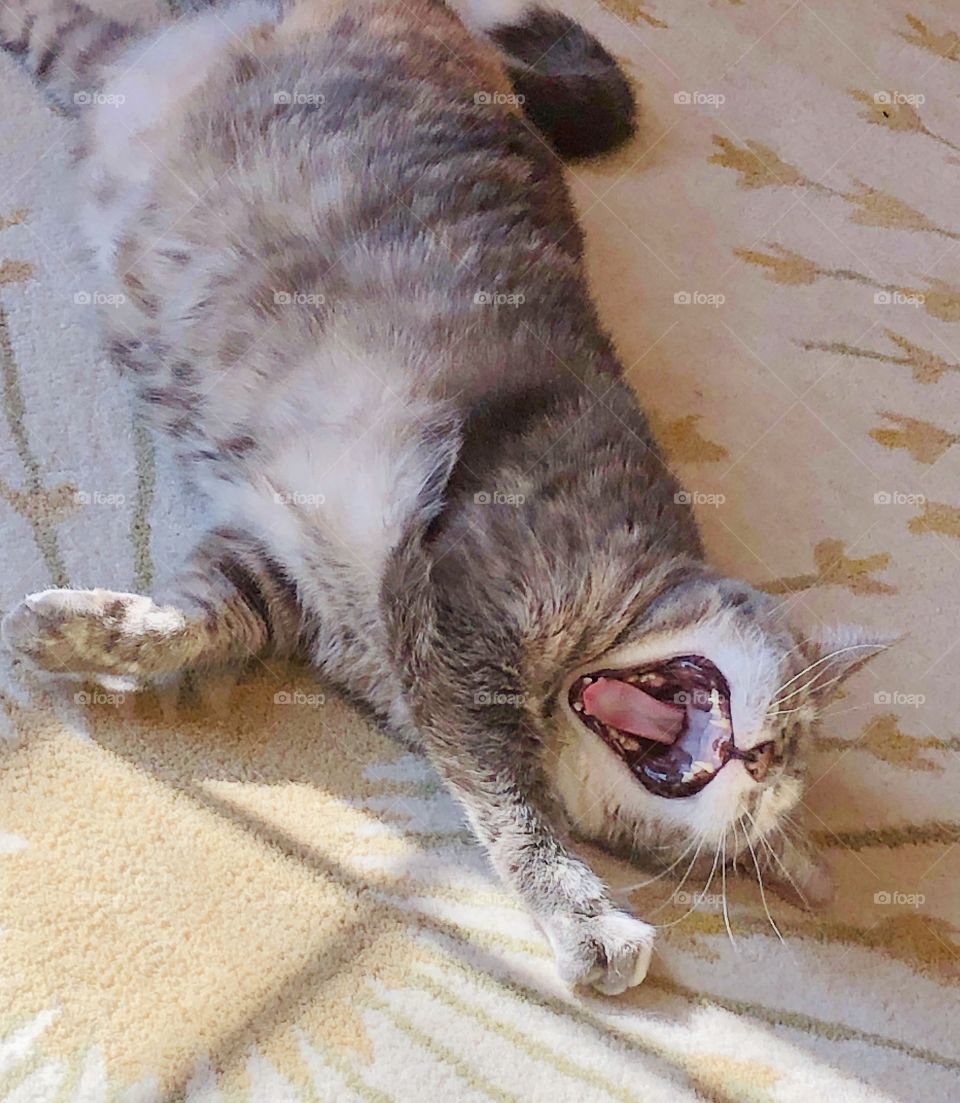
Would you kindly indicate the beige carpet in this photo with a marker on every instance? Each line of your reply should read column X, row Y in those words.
column 251, row 895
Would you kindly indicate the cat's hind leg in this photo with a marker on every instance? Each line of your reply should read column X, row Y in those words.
column 68, row 46
column 232, row 603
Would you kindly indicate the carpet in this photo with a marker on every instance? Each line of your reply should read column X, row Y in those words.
column 240, row 890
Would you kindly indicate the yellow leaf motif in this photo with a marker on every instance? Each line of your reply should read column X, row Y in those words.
column 879, row 209
column 15, row 219
column 835, row 568
column 782, row 265
column 943, row 45
column 758, row 165
column 927, row 366
column 883, row 738
column 632, row 11
column 41, row 506
column 940, row 300
column 893, row 115
column 924, row 441
column 924, row 941
column 936, row 517
column 683, row 441
column 15, row 271
column 723, row 1078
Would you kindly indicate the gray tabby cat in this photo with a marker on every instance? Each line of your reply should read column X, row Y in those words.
column 353, row 302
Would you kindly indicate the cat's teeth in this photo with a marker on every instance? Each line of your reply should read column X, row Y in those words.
column 578, row 706
column 629, row 743
column 701, row 767
column 715, row 714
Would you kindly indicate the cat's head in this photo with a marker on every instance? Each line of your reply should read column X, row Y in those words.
column 692, row 730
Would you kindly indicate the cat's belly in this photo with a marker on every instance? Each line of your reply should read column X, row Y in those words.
column 334, row 475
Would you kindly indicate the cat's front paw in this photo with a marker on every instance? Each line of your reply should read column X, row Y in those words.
column 610, row 951
column 77, row 631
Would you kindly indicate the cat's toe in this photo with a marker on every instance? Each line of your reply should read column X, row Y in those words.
column 22, row 630
column 611, row 951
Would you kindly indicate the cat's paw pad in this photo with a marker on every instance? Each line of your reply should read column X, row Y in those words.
column 610, row 951
column 79, row 631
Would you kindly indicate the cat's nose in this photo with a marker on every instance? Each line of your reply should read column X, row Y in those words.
column 757, row 760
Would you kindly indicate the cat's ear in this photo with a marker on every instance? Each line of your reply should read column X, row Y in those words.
column 834, row 653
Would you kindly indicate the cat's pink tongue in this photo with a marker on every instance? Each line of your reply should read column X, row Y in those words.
column 623, row 706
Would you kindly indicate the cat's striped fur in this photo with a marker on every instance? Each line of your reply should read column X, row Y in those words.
column 351, row 297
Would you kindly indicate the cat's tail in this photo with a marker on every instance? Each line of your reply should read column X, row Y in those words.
column 572, row 88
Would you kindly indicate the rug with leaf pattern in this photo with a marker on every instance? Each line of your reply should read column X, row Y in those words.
column 244, row 892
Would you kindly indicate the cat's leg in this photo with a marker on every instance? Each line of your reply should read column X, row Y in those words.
column 594, row 941
column 230, row 604
column 492, row 767
column 68, row 46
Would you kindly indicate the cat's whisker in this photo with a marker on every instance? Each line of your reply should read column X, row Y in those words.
column 824, row 659
column 763, row 895
column 723, row 893
column 843, row 712
column 773, row 714
column 627, row 889
column 776, row 857
column 683, row 880
column 697, row 896
column 802, row 689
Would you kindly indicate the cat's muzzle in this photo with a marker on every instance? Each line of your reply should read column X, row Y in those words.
column 669, row 722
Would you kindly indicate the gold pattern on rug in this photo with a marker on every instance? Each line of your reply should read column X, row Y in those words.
column 835, row 568
column 683, row 442
column 938, row 517
column 926, row 366
column 925, row 441
column 883, row 737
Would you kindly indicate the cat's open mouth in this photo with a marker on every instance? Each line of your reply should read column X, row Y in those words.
column 669, row 722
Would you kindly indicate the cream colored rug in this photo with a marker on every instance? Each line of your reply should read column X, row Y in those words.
column 249, row 894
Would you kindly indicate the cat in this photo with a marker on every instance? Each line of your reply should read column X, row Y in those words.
column 351, row 297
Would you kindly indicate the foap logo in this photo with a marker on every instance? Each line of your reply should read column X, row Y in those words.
column 99, row 697
column 288, row 99
column 696, row 698
column 298, row 697
column 909, row 899
column 695, row 899
column 699, row 498
column 99, row 298
column 499, row 298
column 898, row 498
column 512, row 99
column 889, row 99
column 99, row 498
column 895, row 697
column 493, row 697
column 699, row 298
column 298, row 298
column 699, row 99
column 98, row 99
column 899, row 298
column 297, row 498
column 498, row 498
